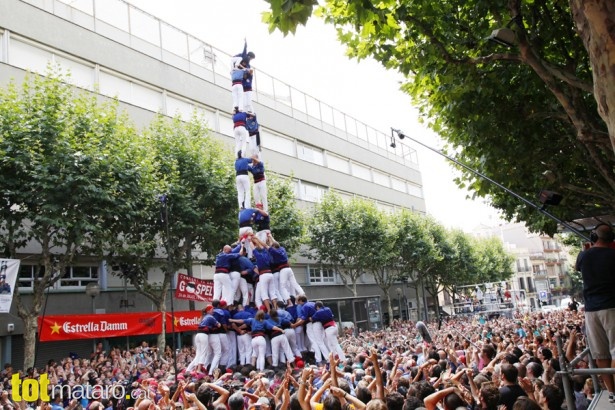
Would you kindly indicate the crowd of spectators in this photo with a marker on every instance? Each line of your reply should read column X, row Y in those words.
column 472, row 363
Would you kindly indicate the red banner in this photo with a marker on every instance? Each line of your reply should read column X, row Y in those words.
column 190, row 288
column 185, row 321
column 69, row 327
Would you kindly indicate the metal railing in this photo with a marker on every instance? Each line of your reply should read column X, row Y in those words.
column 568, row 370
column 121, row 21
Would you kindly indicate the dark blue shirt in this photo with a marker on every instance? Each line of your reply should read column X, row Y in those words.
column 323, row 315
column 242, row 165
column 223, row 261
column 292, row 310
column 243, row 314
column 220, row 316
column 263, row 260
column 261, row 221
column 208, row 323
column 278, row 256
column 239, row 119
column 307, row 310
column 246, row 216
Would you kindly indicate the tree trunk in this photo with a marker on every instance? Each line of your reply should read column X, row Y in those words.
column 595, row 23
column 387, row 297
column 162, row 342
column 29, row 340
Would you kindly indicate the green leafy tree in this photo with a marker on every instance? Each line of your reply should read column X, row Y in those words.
column 287, row 220
column 340, row 235
column 194, row 207
column 437, row 271
column 384, row 261
column 494, row 264
column 539, row 114
column 415, row 246
column 72, row 169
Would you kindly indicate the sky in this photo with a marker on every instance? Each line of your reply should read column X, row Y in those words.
column 313, row 61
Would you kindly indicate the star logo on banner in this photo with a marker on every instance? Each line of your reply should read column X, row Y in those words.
column 176, row 321
column 55, row 328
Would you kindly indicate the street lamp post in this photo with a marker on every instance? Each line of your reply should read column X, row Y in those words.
column 93, row 290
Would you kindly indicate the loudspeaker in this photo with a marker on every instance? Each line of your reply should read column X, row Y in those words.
column 609, row 237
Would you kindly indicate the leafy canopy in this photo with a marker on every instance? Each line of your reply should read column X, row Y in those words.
column 533, row 116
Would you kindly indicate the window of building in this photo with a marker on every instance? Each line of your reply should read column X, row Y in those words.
column 81, row 75
column 276, row 142
column 226, row 124
column 146, row 97
column 338, row 163
column 113, row 86
column 381, row 178
column 415, row 190
column 398, row 184
column 210, row 117
column 74, row 276
column 321, row 275
column 311, row 192
column 310, row 154
column 176, row 106
column 362, row 172
column 522, row 283
column 28, row 57
column 530, row 285
column 78, row 276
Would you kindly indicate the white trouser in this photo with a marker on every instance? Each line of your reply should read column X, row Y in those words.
column 244, row 345
column 242, row 291
column 284, row 284
column 225, row 346
column 235, row 281
column 252, row 147
column 201, row 345
column 316, row 334
column 291, row 336
column 262, row 235
column 237, row 93
column 242, row 182
column 241, row 137
column 244, row 232
column 259, row 347
column 260, row 194
column 264, row 289
column 300, row 338
column 215, row 351
column 247, row 101
column 332, row 343
column 294, row 288
column 276, row 286
column 223, row 287
column 279, row 344
column 232, row 341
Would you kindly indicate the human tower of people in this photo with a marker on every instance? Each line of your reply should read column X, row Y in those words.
column 259, row 312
